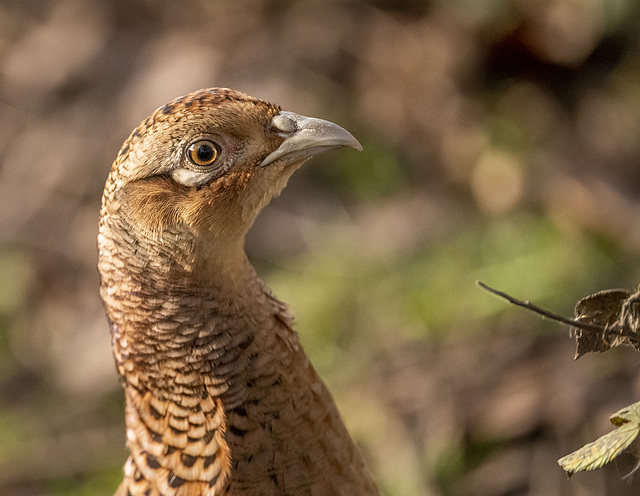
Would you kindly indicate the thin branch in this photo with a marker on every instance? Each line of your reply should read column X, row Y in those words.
column 539, row 310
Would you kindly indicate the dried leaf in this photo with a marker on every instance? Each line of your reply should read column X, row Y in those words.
column 603, row 308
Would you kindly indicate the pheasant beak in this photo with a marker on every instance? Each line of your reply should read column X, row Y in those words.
column 306, row 136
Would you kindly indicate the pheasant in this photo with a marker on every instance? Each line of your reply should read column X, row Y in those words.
column 220, row 397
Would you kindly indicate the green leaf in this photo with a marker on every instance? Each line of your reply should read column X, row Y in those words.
column 601, row 451
column 629, row 413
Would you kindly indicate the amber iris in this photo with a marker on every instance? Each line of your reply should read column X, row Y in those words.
column 203, row 152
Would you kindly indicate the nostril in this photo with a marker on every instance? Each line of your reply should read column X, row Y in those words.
column 283, row 124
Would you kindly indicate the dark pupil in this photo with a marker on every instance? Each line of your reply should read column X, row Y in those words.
column 204, row 153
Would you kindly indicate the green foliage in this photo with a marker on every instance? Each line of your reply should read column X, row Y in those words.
column 373, row 173
column 341, row 296
column 600, row 452
column 101, row 483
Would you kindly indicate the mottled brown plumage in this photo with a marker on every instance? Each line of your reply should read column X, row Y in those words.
column 220, row 396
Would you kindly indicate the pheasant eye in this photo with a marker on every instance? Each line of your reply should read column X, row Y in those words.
column 203, row 152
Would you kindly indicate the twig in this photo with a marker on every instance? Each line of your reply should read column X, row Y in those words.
column 539, row 310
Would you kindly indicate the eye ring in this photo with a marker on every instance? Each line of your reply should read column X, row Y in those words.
column 203, row 152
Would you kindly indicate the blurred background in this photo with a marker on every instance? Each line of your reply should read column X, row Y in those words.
column 502, row 143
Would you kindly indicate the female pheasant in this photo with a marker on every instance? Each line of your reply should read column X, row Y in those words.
column 220, row 397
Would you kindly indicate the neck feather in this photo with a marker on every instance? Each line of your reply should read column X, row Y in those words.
column 192, row 336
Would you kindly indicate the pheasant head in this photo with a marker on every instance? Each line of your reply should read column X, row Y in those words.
column 209, row 162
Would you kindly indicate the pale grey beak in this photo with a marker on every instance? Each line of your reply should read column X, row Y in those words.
column 307, row 136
